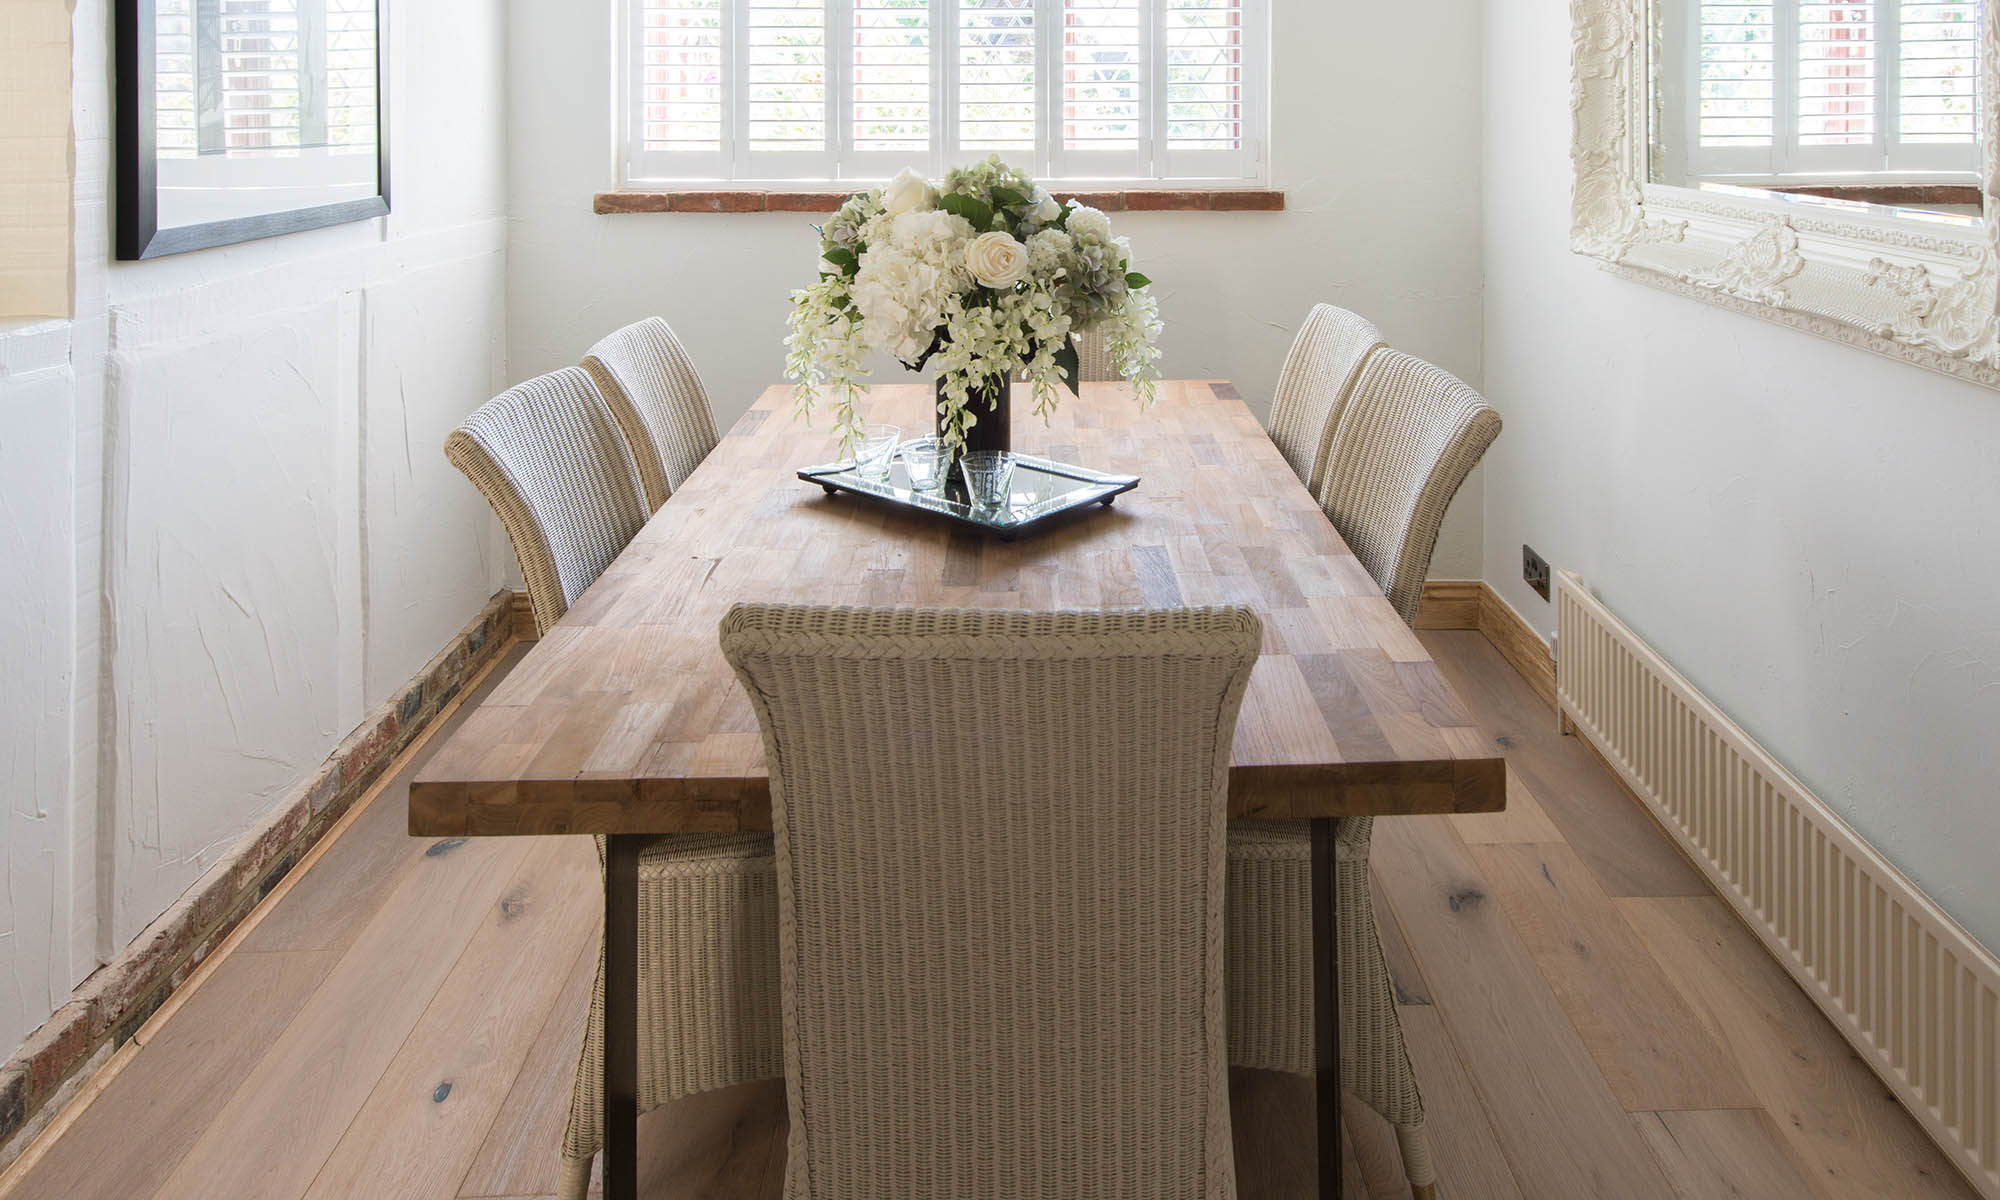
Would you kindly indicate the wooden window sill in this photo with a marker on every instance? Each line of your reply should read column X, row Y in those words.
column 752, row 201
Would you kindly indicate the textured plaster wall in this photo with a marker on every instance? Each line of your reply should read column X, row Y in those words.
column 1379, row 163
column 1805, row 530
column 227, row 528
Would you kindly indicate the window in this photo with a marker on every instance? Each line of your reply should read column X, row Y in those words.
column 1807, row 88
column 806, row 92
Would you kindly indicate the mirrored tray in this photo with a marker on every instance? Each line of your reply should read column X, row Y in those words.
column 1041, row 489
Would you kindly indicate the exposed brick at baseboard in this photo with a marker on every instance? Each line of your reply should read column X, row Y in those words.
column 108, row 1008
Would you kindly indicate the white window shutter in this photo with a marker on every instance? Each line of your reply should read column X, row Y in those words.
column 1937, row 88
column 350, row 75
column 1208, row 64
column 679, row 123
column 1838, row 126
column 893, row 73
column 997, row 106
column 785, row 88
column 1103, row 114
column 1737, row 73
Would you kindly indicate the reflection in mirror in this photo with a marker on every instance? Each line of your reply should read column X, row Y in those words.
column 262, row 106
column 1863, row 106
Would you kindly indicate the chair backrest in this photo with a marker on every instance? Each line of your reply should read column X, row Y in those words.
column 548, row 457
column 1407, row 439
column 1093, row 359
column 1313, row 388
column 652, row 387
column 1000, row 879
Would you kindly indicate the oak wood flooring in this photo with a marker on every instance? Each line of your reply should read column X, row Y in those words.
column 1586, row 1019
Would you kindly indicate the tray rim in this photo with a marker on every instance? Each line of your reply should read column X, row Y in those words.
column 1108, row 487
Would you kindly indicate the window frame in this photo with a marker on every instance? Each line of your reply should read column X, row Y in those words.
column 840, row 167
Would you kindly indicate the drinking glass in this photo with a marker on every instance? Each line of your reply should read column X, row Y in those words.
column 925, row 463
column 875, row 450
column 989, row 475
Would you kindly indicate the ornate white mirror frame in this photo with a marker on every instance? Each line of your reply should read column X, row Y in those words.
column 1923, row 293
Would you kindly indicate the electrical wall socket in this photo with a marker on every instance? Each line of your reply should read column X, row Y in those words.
column 1535, row 569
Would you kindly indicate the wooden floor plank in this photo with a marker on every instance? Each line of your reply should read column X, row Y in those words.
column 1619, row 839
column 129, row 1140
column 422, row 1125
column 1559, row 1122
column 1727, row 1154
column 1837, row 1116
column 1470, row 1162
column 523, row 1145
column 1406, row 978
column 1652, row 1049
column 282, row 1123
column 328, row 906
column 1523, row 821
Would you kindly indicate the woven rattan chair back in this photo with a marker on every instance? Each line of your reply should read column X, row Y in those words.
column 548, row 457
column 1407, row 439
column 1093, row 359
column 1314, row 386
column 656, row 394
column 1000, row 882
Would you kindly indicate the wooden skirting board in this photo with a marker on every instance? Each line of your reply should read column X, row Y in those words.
column 1473, row 604
column 63, row 1062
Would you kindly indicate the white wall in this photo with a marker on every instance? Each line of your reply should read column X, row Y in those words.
column 1378, row 155
column 227, row 507
column 1806, row 530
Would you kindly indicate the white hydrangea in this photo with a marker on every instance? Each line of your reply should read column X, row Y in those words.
column 1047, row 253
column 1086, row 224
column 906, row 278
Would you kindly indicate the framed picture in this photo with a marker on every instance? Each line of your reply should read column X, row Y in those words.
column 243, row 120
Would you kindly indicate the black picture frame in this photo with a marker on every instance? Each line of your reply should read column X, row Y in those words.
column 137, row 234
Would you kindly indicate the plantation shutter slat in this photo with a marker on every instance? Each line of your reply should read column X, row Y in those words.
column 997, row 83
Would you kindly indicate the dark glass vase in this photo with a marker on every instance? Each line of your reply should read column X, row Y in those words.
column 990, row 400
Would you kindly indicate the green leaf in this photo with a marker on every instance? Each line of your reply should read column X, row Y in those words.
column 1006, row 197
column 1135, row 280
column 843, row 258
column 1072, row 368
column 972, row 208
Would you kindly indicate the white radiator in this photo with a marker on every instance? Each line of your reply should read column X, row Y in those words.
column 1918, row 997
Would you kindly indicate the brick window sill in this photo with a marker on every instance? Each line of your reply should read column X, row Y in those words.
column 745, row 201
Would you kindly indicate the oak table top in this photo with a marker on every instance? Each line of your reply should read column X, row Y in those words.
column 626, row 719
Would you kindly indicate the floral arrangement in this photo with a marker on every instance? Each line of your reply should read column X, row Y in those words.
column 983, row 273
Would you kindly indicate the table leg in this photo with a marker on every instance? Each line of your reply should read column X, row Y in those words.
column 621, row 1016
column 1326, row 1009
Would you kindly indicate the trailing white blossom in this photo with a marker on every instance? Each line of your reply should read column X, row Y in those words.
column 982, row 274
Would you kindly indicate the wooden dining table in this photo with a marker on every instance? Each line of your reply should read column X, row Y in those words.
column 626, row 721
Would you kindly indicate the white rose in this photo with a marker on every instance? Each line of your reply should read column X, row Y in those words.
column 1087, row 223
column 1046, row 208
column 905, row 192
column 997, row 260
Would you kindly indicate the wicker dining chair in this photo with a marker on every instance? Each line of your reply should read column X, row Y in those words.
column 1318, row 377
column 1000, row 879
column 549, row 459
column 1405, row 442
column 656, row 394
